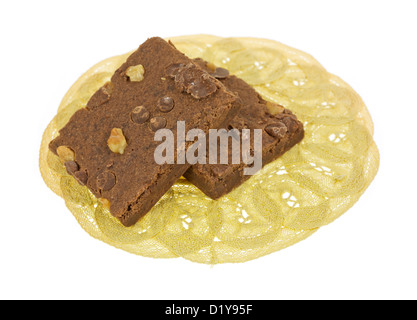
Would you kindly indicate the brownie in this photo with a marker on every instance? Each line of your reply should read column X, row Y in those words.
column 109, row 145
column 280, row 133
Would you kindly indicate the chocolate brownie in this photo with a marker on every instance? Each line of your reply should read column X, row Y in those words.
column 109, row 145
column 281, row 132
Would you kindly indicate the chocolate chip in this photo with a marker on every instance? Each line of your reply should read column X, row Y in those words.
column 290, row 122
column 166, row 104
column 81, row 177
column 202, row 87
column 220, row 73
column 173, row 69
column 106, row 181
column 140, row 115
column 191, row 79
column 158, row 123
column 72, row 167
column 276, row 130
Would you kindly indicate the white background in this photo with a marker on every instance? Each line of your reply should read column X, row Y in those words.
column 369, row 253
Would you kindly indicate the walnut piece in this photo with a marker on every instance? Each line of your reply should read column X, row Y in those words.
column 211, row 66
column 105, row 203
column 274, row 108
column 107, row 89
column 65, row 154
column 117, row 141
column 135, row 73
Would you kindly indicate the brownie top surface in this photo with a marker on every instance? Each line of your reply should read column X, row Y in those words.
column 141, row 98
column 253, row 114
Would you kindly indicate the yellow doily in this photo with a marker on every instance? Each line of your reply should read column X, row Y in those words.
column 309, row 187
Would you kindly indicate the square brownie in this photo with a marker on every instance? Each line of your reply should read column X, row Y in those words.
column 109, row 145
column 281, row 132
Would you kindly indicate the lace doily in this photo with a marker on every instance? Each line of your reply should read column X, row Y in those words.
column 290, row 199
